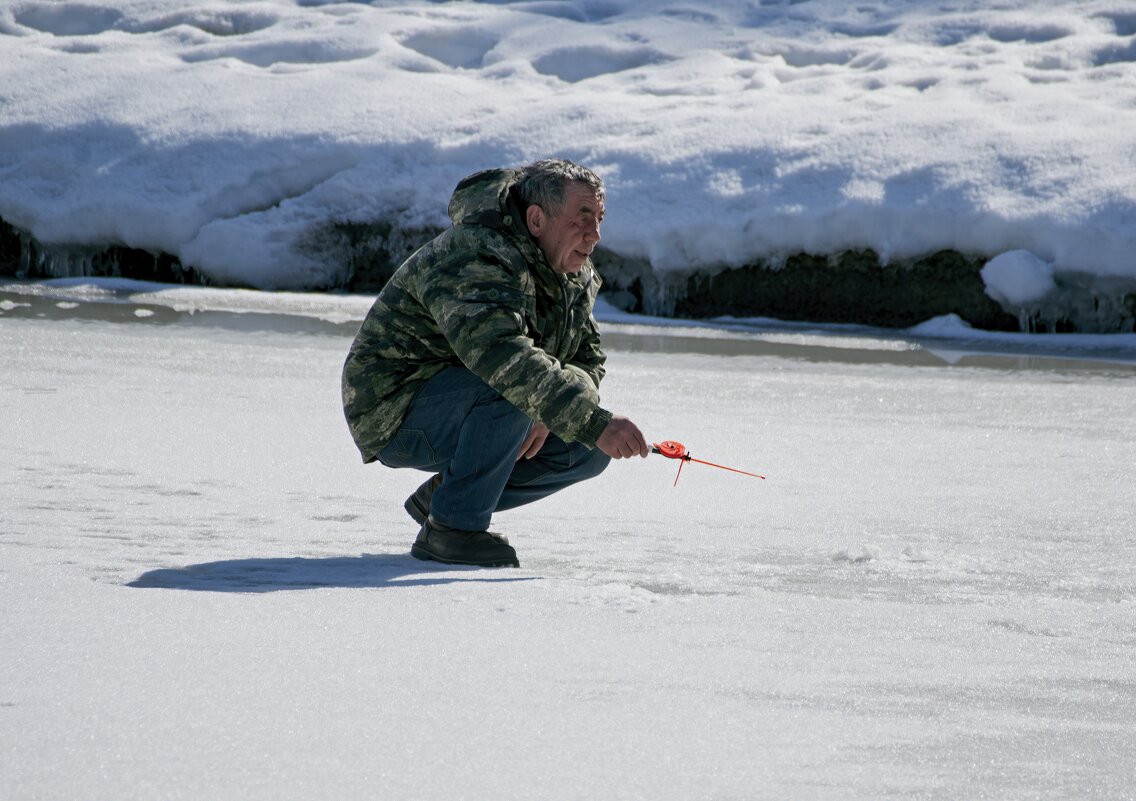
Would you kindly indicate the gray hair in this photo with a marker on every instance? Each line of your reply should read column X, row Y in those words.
column 544, row 183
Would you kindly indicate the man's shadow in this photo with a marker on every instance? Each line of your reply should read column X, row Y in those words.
column 307, row 573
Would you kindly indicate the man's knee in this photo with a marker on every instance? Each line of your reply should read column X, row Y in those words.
column 595, row 463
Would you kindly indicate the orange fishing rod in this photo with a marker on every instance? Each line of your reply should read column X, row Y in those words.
column 676, row 450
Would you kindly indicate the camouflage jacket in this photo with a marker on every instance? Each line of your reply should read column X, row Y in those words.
column 480, row 294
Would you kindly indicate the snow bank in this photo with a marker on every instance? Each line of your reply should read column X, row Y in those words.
column 225, row 132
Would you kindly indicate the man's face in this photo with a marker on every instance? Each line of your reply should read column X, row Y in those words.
column 568, row 238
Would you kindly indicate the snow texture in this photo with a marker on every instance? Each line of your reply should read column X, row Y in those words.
column 226, row 132
column 205, row 594
column 1017, row 278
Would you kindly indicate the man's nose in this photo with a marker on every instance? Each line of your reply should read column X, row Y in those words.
column 592, row 231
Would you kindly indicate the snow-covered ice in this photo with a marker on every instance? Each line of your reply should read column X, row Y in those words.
column 226, row 133
column 204, row 594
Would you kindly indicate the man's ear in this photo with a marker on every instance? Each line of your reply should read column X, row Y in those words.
column 534, row 218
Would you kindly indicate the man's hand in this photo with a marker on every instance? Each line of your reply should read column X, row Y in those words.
column 534, row 441
column 622, row 439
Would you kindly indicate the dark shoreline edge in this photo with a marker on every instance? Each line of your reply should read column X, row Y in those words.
column 852, row 287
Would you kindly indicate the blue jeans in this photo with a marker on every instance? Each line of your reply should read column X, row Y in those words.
column 461, row 427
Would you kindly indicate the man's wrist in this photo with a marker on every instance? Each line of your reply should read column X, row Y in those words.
column 595, row 426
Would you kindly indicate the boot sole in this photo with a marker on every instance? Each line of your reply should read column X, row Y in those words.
column 419, row 552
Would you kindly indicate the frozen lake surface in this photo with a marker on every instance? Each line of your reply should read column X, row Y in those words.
column 206, row 595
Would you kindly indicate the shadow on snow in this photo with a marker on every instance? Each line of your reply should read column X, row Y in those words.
column 306, row 573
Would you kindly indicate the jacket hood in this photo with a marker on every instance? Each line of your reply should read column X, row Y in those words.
column 486, row 198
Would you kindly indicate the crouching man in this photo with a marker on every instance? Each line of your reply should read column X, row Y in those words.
column 480, row 360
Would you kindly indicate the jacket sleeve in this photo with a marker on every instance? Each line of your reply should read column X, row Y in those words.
column 478, row 302
column 589, row 357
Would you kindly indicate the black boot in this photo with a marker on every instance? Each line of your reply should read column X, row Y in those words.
column 455, row 547
column 418, row 504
